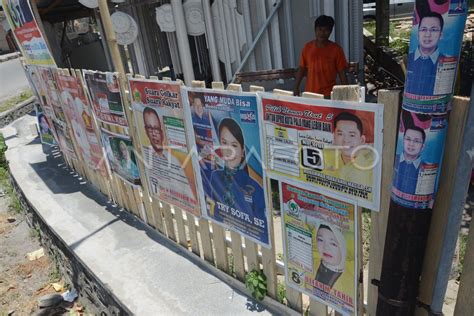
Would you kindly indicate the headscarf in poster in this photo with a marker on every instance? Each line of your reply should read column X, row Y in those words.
column 159, row 117
column 227, row 140
column 333, row 145
column 121, row 156
column 77, row 110
column 106, row 98
column 320, row 239
column 26, row 31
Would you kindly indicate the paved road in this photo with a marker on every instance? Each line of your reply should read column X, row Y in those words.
column 12, row 79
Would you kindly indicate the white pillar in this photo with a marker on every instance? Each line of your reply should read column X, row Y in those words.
column 183, row 43
column 211, row 41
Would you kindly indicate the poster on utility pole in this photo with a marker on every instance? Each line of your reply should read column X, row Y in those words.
column 27, row 33
column 320, row 242
column 332, row 145
column 169, row 165
column 227, row 139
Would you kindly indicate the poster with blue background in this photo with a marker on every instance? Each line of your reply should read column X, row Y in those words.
column 224, row 127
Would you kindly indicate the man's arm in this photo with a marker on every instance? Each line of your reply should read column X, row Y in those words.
column 342, row 76
column 300, row 74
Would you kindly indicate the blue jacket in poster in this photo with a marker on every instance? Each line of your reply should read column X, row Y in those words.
column 239, row 198
column 421, row 74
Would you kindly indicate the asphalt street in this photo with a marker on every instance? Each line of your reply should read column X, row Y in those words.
column 12, row 79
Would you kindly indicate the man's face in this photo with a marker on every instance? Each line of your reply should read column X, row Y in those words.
column 429, row 33
column 153, row 131
column 412, row 144
column 322, row 33
column 198, row 107
column 348, row 135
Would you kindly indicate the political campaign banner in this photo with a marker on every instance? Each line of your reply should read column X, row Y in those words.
column 121, row 156
column 106, row 98
column 320, row 244
column 433, row 59
column 418, row 159
column 44, row 129
column 64, row 140
column 159, row 116
column 232, row 180
column 27, row 33
column 78, row 113
column 333, row 145
column 52, row 105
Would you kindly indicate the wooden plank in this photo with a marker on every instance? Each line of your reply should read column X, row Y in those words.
column 193, row 234
column 198, row 84
column 158, row 216
column 282, row 92
column 268, row 254
column 238, row 255
column 206, row 240
column 312, row 95
column 222, row 257
column 168, row 219
column 234, row 87
column 317, row 309
column 346, row 93
column 178, row 216
column 217, row 85
column 441, row 209
column 465, row 303
column 253, row 88
column 391, row 100
column 251, row 252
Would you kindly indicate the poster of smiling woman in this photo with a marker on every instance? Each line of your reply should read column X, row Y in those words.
column 227, row 140
column 333, row 145
column 320, row 240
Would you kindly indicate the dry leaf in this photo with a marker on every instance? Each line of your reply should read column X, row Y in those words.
column 35, row 254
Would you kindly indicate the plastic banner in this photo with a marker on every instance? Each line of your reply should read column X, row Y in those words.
column 433, row 59
column 52, row 104
column 44, row 129
column 121, row 156
column 418, row 159
column 106, row 98
column 327, row 144
column 27, row 33
column 232, row 180
column 320, row 239
column 77, row 110
column 159, row 117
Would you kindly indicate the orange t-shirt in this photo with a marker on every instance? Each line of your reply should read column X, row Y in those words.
column 322, row 66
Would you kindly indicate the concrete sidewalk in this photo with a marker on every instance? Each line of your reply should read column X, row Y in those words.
column 146, row 272
column 9, row 56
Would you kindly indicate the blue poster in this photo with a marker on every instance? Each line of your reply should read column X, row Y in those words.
column 228, row 145
column 433, row 59
column 418, row 159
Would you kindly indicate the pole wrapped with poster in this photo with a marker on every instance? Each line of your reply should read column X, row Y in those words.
column 433, row 60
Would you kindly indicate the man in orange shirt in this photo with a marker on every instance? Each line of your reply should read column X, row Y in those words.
column 321, row 61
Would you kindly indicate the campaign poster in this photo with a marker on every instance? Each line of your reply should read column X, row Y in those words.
column 227, row 140
column 418, row 159
column 54, row 108
column 320, row 240
column 433, row 59
column 106, row 98
column 77, row 110
column 159, row 116
column 64, row 140
column 333, row 145
column 27, row 33
column 44, row 127
column 121, row 156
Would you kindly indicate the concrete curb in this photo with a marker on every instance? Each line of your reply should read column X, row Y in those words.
column 20, row 109
column 10, row 56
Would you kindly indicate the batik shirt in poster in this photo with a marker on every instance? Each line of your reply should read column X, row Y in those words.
column 432, row 58
column 328, row 144
column 77, row 110
column 159, row 116
column 106, row 98
column 227, row 139
column 121, row 156
column 26, row 31
column 320, row 246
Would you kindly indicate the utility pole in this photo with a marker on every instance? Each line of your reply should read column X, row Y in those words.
column 382, row 22
column 432, row 63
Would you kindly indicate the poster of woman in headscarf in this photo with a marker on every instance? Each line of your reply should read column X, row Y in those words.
column 121, row 156
column 227, row 138
column 320, row 240
column 106, row 98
